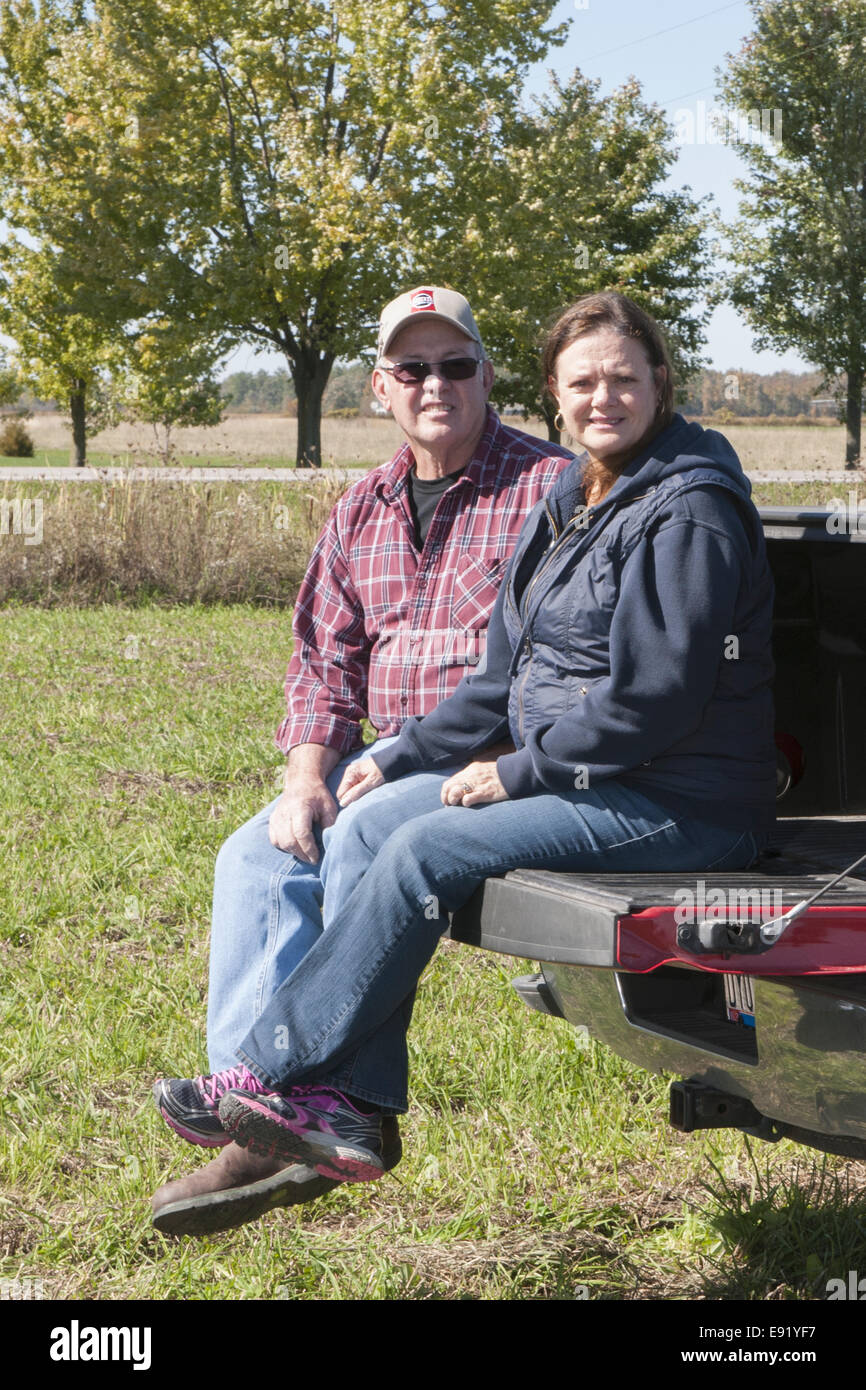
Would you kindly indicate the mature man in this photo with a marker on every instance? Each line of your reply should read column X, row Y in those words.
column 391, row 614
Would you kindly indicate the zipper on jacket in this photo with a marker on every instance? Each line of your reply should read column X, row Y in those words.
column 520, row 691
column 586, row 514
column 557, row 537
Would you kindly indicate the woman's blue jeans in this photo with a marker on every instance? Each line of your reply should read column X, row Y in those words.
column 400, row 866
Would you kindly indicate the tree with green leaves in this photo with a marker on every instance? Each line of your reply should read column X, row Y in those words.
column 169, row 381
column 566, row 198
column 66, row 349
column 800, row 242
column 254, row 167
column 61, row 351
column 10, row 383
column 65, row 294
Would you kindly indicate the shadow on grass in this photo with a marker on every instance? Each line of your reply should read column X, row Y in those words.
column 559, row 1265
column 786, row 1236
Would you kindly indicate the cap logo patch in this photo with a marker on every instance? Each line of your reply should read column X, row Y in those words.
column 421, row 299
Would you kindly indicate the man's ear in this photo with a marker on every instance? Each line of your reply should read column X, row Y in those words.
column 487, row 374
column 381, row 384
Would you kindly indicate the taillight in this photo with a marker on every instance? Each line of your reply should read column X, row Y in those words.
column 790, row 763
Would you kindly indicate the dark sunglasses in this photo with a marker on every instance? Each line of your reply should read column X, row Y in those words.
column 453, row 369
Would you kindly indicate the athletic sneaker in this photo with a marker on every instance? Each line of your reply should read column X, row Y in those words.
column 314, row 1125
column 191, row 1107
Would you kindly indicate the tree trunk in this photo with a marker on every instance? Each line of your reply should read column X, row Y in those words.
column 310, row 372
column 706, row 397
column 853, row 415
column 77, row 409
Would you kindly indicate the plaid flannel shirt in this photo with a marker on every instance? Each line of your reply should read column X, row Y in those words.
column 386, row 632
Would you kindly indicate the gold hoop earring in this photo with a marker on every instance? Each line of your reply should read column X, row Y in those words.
column 558, row 421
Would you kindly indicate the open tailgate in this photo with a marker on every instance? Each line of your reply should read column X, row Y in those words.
column 638, row 922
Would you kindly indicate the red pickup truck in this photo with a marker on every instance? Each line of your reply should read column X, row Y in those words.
column 763, row 1015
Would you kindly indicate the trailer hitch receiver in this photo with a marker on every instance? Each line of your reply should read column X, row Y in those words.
column 701, row 1107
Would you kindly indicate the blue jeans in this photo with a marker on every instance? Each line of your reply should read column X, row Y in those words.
column 406, row 862
column 267, row 913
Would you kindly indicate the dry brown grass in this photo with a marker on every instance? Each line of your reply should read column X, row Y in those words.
column 555, row 1260
column 170, row 542
column 767, row 449
column 246, row 438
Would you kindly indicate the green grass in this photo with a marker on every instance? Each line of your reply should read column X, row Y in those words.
column 814, row 494
column 59, row 458
column 134, row 741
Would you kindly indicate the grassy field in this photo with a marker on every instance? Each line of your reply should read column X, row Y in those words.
column 248, row 440
column 134, row 740
column 269, row 440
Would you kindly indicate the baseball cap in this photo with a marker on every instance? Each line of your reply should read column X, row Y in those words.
column 426, row 302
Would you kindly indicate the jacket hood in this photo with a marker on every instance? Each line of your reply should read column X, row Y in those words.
column 684, row 449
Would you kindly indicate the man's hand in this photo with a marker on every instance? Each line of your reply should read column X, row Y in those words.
column 358, row 779
column 305, row 801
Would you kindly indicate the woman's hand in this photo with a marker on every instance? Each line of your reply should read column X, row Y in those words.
column 482, row 781
column 358, row 779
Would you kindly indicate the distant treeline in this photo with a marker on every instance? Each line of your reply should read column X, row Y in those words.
column 745, row 394
column 268, row 393
column 754, row 395
column 348, row 391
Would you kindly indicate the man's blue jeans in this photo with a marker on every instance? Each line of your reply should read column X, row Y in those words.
column 267, row 913
column 405, row 863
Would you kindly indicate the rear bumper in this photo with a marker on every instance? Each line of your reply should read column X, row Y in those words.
column 804, row 1062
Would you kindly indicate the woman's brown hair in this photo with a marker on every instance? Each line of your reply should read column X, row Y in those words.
column 610, row 309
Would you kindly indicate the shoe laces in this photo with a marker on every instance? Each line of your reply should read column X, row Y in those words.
column 233, row 1079
column 331, row 1098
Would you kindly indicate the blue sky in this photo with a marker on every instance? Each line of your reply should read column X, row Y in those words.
column 673, row 47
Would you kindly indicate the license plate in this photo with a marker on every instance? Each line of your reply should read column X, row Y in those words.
column 740, row 999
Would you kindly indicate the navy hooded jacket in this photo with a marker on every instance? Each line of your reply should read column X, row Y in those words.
column 630, row 639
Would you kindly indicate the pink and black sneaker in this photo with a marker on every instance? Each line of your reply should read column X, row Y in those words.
column 315, row 1125
column 191, row 1107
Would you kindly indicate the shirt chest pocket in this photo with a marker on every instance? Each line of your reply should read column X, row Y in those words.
column 476, row 585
